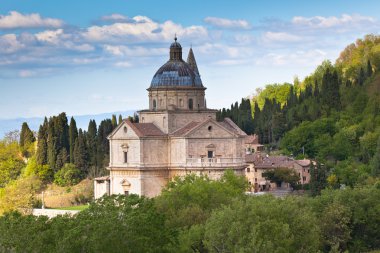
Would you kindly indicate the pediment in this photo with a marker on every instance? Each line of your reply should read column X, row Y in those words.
column 124, row 130
column 210, row 129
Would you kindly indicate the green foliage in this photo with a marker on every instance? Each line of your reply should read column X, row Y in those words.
column 349, row 218
column 263, row 224
column 278, row 92
column 73, row 135
column 19, row 195
column 241, row 114
column 194, row 215
column 190, row 200
column 281, row 175
column 11, row 162
column 67, row 175
column 27, row 140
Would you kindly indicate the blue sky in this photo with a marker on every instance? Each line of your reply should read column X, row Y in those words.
column 95, row 56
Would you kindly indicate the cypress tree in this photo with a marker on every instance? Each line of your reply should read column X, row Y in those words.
column 26, row 135
column 51, row 145
column 114, row 122
column 91, row 142
column 120, row 119
column 369, row 69
column 105, row 128
column 61, row 159
column 80, row 154
column 73, row 135
column 42, row 143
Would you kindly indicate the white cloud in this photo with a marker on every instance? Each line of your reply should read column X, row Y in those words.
column 281, row 37
column 123, row 64
column 17, row 20
column 143, row 29
column 50, row 36
column 329, row 22
column 228, row 23
column 302, row 58
column 9, row 44
column 115, row 17
column 134, row 51
column 223, row 51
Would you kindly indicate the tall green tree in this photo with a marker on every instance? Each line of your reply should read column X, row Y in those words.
column 80, row 153
column 73, row 135
column 42, row 146
column 114, row 121
column 91, row 143
column 26, row 139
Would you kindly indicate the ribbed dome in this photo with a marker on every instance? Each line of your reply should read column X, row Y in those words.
column 176, row 72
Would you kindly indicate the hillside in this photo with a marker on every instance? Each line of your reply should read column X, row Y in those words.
column 333, row 115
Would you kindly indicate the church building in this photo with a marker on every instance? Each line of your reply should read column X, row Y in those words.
column 176, row 136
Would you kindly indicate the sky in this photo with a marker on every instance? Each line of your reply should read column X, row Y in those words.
column 96, row 56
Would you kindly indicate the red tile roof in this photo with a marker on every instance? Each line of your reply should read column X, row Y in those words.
column 187, row 128
column 146, row 129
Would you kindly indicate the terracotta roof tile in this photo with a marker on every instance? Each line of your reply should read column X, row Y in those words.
column 264, row 161
column 184, row 130
column 146, row 129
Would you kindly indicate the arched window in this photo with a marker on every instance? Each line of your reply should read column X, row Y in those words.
column 191, row 104
column 154, row 104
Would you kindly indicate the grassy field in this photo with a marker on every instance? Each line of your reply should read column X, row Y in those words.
column 79, row 208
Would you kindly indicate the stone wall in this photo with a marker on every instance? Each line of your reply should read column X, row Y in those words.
column 51, row 213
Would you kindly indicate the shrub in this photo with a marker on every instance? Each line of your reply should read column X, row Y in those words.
column 67, row 175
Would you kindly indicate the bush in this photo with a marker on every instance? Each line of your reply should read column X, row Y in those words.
column 67, row 175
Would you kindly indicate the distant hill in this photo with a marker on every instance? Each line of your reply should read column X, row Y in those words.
column 7, row 125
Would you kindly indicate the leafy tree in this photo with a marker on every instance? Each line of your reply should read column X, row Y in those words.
column 11, row 163
column 262, row 224
column 19, row 195
column 375, row 162
column 280, row 175
column 68, row 175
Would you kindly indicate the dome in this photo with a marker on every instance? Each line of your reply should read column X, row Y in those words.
column 176, row 72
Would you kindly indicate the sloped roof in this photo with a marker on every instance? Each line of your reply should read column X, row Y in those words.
column 252, row 139
column 141, row 129
column 303, row 163
column 261, row 160
column 187, row 128
column 146, row 129
column 229, row 124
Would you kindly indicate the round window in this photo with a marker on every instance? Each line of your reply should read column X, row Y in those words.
column 209, row 128
column 125, row 129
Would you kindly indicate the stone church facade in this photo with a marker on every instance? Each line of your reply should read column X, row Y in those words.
column 176, row 136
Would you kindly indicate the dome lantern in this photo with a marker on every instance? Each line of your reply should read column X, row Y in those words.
column 175, row 51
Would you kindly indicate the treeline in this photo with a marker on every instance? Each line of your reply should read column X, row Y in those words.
column 241, row 114
column 195, row 214
column 67, row 154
